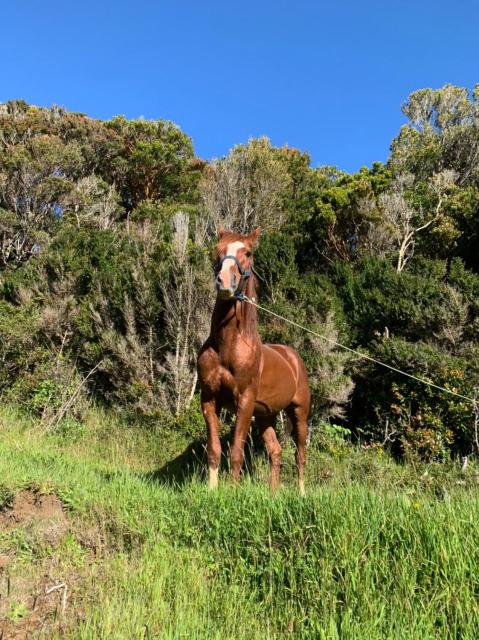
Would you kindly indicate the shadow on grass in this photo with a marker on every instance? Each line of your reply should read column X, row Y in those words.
column 193, row 462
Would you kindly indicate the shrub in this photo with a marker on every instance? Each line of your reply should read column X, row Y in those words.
column 416, row 420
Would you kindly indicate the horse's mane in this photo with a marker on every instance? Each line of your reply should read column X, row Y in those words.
column 250, row 315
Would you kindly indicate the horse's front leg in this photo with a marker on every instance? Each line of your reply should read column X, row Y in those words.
column 210, row 411
column 244, row 414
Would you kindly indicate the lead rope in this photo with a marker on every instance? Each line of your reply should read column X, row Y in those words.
column 476, row 418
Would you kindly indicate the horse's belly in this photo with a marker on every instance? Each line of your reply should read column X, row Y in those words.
column 270, row 401
column 277, row 383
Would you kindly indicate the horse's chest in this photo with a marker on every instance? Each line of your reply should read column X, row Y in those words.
column 238, row 372
column 229, row 371
column 236, row 377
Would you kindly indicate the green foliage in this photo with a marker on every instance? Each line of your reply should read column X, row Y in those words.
column 105, row 282
column 417, row 420
column 416, row 304
column 6, row 497
column 72, row 551
column 48, row 388
column 17, row 611
column 152, row 160
column 345, row 210
column 18, row 349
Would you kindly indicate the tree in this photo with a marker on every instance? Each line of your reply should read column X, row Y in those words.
column 152, row 160
column 247, row 188
column 188, row 305
column 443, row 133
column 345, row 212
column 35, row 179
column 93, row 201
column 404, row 220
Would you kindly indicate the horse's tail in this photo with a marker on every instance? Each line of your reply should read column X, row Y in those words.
column 310, row 432
column 287, row 426
column 285, row 423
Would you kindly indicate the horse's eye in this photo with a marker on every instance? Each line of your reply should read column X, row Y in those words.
column 248, row 254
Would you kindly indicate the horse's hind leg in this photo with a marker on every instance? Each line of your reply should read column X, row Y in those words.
column 299, row 419
column 266, row 429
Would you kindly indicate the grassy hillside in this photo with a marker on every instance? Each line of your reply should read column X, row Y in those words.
column 375, row 549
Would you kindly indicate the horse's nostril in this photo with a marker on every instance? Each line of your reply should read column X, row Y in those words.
column 218, row 280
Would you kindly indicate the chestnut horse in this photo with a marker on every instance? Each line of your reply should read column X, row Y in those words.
column 238, row 372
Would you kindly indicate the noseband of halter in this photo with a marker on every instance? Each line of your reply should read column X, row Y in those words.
column 244, row 273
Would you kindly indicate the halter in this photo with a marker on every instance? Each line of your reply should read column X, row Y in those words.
column 244, row 273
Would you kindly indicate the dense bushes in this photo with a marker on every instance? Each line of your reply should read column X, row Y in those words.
column 106, row 285
column 412, row 418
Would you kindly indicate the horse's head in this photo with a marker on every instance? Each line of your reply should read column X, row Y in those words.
column 234, row 262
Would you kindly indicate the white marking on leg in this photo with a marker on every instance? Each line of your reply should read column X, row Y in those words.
column 302, row 491
column 213, row 478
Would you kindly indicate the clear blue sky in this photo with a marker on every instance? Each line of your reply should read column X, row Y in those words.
column 326, row 77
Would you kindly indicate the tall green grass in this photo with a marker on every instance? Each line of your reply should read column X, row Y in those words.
column 376, row 551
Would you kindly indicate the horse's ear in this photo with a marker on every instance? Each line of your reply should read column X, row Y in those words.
column 221, row 231
column 254, row 235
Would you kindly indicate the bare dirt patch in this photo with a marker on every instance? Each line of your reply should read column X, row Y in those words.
column 42, row 579
column 29, row 506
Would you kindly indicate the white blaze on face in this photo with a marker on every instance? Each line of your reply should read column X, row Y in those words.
column 231, row 250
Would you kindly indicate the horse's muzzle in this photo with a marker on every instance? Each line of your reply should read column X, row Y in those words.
column 226, row 294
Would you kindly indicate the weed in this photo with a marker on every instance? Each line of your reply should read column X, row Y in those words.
column 17, row 611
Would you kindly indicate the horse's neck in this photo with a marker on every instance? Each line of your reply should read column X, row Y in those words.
column 233, row 320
